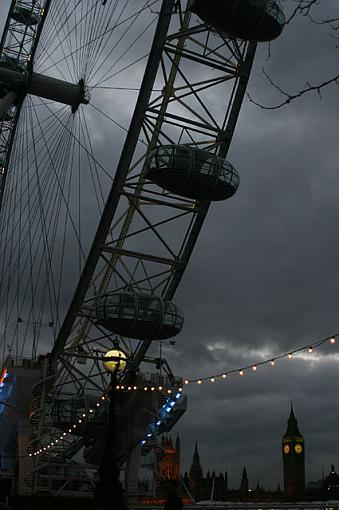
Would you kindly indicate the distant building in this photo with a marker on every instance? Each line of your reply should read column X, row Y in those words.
column 293, row 453
column 324, row 489
column 168, row 460
column 330, row 486
column 244, row 482
column 195, row 486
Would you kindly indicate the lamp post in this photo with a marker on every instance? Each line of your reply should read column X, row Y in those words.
column 108, row 492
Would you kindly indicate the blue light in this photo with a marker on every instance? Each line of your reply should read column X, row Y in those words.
column 178, row 395
column 168, row 409
column 158, row 422
column 143, row 441
column 149, row 435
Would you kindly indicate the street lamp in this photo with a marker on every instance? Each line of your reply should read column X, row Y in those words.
column 108, row 492
column 115, row 361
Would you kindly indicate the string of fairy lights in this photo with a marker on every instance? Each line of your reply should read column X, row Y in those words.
column 272, row 361
column 173, row 394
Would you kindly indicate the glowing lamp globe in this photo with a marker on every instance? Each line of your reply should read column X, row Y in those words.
column 118, row 364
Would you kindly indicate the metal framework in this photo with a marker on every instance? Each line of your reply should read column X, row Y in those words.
column 146, row 235
column 17, row 48
column 134, row 246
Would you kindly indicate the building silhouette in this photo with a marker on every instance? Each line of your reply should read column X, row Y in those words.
column 195, row 486
column 244, row 482
column 168, row 460
column 293, row 453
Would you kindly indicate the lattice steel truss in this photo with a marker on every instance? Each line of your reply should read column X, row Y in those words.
column 17, row 49
column 146, row 235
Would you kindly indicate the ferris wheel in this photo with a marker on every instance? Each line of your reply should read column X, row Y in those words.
column 115, row 122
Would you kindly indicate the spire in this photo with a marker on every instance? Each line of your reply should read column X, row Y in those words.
column 244, row 481
column 196, row 469
column 292, row 424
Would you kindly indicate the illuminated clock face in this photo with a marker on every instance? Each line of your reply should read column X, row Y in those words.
column 298, row 448
column 286, row 448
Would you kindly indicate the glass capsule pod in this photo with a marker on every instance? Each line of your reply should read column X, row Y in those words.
column 12, row 63
column 25, row 16
column 141, row 316
column 67, row 410
column 254, row 20
column 192, row 173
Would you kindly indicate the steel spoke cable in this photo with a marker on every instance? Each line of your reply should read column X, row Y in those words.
column 5, row 288
column 46, row 184
column 22, row 154
column 93, row 22
column 128, row 66
column 97, row 37
column 85, row 149
column 96, row 28
column 91, row 161
column 55, row 38
column 65, row 23
column 70, row 72
column 89, row 143
column 39, row 154
column 61, row 196
column 68, row 34
column 68, row 217
column 29, row 196
column 112, row 120
column 99, row 46
column 128, row 48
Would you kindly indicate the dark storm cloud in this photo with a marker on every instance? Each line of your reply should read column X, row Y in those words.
column 263, row 278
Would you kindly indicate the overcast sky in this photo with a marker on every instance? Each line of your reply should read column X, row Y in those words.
column 265, row 273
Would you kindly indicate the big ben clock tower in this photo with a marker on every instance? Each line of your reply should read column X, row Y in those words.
column 293, row 452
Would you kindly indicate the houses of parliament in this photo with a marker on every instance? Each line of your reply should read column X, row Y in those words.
column 197, row 487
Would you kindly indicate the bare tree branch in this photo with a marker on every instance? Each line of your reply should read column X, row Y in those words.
column 290, row 97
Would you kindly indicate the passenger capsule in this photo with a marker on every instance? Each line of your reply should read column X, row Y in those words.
column 142, row 316
column 12, row 63
column 68, row 410
column 255, row 20
column 25, row 16
column 192, row 173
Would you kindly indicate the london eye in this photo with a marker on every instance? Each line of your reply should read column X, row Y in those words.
column 115, row 122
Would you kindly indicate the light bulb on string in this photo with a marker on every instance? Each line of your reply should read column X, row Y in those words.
column 272, row 363
column 332, row 340
column 224, row 376
column 254, row 368
column 310, row 349
column 241, row 372
column 289, row 355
